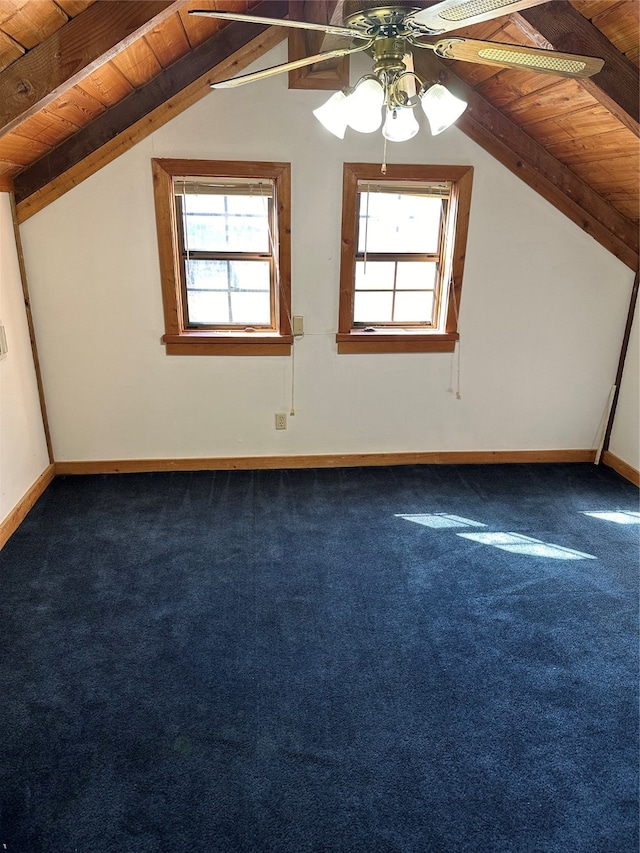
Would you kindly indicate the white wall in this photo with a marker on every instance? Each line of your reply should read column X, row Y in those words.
column 625, row 435
column 23, row 450
column 542, row 312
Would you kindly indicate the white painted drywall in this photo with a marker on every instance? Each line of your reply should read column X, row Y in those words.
column 23, row 450
column 625, row 435
column 542, row 313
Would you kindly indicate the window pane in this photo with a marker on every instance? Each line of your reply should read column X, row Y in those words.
column 378, row 276
column 250, row 275
column 207, row 308
column 225, row 223
column 207, row 275
column 416, row 275
column 255, row 205
column 222, row 275
column 372, row 307
column 250, row 309
column 413, row 307
column 399, row 223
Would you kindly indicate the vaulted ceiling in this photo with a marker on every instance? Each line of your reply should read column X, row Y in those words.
column 83, row 80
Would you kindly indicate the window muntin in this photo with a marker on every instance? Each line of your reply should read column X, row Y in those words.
column 224, row 237
column 403, row 248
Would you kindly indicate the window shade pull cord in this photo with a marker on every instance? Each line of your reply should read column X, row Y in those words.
column 276, row 263
column 184, row 225
column 366, row 232
column 455, row 311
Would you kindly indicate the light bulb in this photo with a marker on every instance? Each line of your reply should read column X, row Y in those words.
column 364, row 105
column 441, row 107
column 400, row 124
column 333, row 115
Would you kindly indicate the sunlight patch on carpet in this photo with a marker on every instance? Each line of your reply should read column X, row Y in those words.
column 624, row 516
column 516, row 543
column 440, row 520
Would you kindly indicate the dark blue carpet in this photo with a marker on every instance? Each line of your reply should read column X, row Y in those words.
column 278, row 661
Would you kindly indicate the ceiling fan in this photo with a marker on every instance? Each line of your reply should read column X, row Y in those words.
column 387, row 34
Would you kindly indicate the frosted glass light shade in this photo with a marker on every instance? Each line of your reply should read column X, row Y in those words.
column 364, row 105
column 441, row 108
column 333, row 114
column 400, row 125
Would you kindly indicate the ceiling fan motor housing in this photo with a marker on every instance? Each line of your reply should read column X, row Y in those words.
column 388, row 54
column 382, row 20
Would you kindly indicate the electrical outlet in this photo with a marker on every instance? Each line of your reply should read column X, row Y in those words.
column 281, row 420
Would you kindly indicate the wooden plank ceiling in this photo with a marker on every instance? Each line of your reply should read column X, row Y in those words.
column 83, row 80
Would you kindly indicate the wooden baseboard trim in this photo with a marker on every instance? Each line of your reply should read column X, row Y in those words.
column 17, row 515
column 332, row 460
column 621, row 467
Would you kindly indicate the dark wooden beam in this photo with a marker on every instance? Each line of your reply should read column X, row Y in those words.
column 73, row 52
column 32, row 334
column 115, row 121
column 560, row 26
column 633, row 301
column 505, row 141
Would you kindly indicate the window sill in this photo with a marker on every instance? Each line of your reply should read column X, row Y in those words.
column 227, row 343
column 400, row 341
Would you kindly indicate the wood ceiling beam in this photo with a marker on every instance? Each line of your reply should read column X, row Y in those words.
column 223, row 55
column 73, row 52
column 516, row 150
column 560, row 26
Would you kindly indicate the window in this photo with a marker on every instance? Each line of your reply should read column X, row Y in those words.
column 224, row 242
column 403, row 246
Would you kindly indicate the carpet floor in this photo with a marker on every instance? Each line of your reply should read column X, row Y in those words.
column 373, row 660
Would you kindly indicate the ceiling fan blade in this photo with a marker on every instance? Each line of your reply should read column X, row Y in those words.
column 454, row 14
column 288, row 66
column 517, row 56
column 280, row 22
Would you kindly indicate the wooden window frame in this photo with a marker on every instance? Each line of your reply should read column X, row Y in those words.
column 392, row 339
column 179, row 339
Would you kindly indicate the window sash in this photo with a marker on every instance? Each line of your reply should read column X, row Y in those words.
column 394, row 290
column 368, row 222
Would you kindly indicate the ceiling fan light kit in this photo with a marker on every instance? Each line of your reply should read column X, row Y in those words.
column 400, row 125
column 364, row 105
column 387, row 33
column 333, row 114
column 441, row 108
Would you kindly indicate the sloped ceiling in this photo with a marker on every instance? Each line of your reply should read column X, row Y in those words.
column 83, row 80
